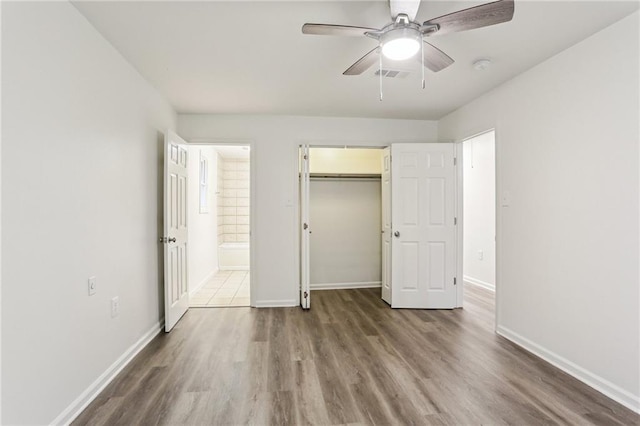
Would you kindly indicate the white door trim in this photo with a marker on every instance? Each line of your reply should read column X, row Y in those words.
column 460, row 227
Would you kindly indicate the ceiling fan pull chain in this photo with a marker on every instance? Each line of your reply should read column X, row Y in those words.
column 422, row 67
column 380, row 75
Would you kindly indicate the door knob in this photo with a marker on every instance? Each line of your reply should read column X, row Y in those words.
column 171, row 240
column 397, row 233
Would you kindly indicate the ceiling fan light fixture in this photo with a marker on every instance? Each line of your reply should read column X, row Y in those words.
column 401, row 43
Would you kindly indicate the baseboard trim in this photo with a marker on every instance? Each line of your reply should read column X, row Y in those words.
column 276, row 303
column 86, row 397
column 341, row 286
column 479, row 283
column 203, row 282
column 598, row 383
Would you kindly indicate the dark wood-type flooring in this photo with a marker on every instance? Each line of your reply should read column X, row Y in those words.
column 350, row 359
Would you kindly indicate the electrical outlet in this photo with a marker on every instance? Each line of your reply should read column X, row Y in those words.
column 480, row 255
column 115, row 307
column 92, row 285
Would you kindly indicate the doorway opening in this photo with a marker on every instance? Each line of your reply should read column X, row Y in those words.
column 219, row 226
column 344, row 219
column 479, row 221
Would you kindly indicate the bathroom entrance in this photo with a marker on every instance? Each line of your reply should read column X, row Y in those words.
column 219, row 214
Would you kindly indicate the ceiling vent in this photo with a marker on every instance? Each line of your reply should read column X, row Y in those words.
column 391, row 73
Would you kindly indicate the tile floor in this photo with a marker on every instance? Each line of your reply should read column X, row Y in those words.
column 226, row 288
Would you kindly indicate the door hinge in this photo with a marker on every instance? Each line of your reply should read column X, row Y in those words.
column 305, row 295
column 305, row 226
column 455, row 161
column 455, row 281
column 455, row 220
column 305, row 157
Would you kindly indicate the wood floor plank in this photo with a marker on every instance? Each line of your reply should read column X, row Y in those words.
column 100, row 410
column 350, row 360
column 311, row 408
column 135, row 403
column 280, row 363
column 283, row 410
column 335, row 392
column 371, row 405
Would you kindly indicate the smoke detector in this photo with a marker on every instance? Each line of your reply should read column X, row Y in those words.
column 482, row 64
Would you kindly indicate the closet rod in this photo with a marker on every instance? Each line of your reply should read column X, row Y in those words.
column 362, row 177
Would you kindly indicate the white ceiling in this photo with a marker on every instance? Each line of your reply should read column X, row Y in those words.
column 250, row 57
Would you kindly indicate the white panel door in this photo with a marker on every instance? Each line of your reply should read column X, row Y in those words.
column 422, row 212
column 176, row 294
column 305, row 289
column 386, row 225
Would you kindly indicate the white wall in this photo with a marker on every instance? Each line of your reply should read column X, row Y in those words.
column 567, row 139
column 479, row 170
column 275, row 188
column 203, row 227
column 345, row 161
column 81, row 173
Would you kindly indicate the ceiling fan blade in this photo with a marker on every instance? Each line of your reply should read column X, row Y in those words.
column 337, row 30
column 484, row 15
column 408, row 7
column 434, row 58
column 364, row 63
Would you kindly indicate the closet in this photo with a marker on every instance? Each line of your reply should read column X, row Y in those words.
column 345, row 217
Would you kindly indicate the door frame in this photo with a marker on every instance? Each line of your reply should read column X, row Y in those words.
column 253, row 255
column 498, row 218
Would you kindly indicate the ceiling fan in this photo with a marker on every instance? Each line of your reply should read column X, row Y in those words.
column 403, row 37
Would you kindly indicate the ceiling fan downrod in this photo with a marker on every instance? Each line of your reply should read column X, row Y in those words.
column 380, row 75
column 422, row 59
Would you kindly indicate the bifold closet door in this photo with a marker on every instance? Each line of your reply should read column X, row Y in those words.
column 386, row 225
column 305, row 290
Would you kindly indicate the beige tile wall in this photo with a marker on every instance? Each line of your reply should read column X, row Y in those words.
column 219, row 191
column 233, row 200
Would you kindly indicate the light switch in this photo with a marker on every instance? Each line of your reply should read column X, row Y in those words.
column 92, row 286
